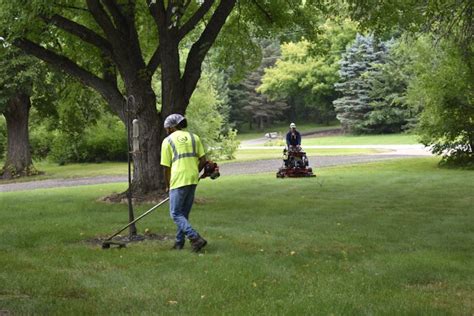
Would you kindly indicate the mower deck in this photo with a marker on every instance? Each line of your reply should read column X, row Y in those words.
column 295, row 164
column 285, row 172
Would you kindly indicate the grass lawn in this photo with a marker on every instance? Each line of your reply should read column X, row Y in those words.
column 74, row 170
column 387, row 139
column 393, row 237
column 283, row 129
column 84, row 170
column 256, row 154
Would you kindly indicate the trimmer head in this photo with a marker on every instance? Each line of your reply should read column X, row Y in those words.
column 109, row 243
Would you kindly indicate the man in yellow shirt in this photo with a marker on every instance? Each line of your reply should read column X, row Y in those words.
column 183, row 157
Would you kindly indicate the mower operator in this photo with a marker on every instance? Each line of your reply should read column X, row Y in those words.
column 293, row 137
column 183, row 157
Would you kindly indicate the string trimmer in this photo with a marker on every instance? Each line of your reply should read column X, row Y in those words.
column 210, row 170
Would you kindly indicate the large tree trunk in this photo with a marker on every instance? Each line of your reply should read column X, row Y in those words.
column 148, row 176
column 18, row 162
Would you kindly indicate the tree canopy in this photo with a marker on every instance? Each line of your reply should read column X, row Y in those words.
column 155, row 50
column 117, row 46
column 444, row 19
column 307, row 71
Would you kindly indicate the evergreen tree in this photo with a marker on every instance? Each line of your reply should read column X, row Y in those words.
column 307, row 71
column 250, row 106
column 238, row 98
column 390, row 112
column 359, row 59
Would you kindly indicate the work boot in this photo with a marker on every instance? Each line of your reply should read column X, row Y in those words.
column 178, row 245
column 198, row 243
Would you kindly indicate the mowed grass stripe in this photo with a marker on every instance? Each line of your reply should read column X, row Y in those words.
column 384, row 238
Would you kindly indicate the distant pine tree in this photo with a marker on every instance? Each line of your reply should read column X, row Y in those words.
column 359, row 59
column 249, row 106
column 390, row 112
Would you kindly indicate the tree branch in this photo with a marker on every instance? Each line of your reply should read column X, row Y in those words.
column 109, row 71
column 261, row 8
column 102, row 18
column 195, row 18
column 127, row 53
column 82, row 32
column 157, row 11
column 186, row 4
column 154, row 62
column 126, row 24
column 71, row 7
column 192, row 71
column 154, row 8
column 169, row 8
column 119, row 19
column 108, row 91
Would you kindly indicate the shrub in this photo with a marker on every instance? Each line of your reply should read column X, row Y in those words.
column 275, row 142
column 228, row 145
column 205, row 120
column 104, row 141
column 41, row 141
column 65, row 148
column 443, row 87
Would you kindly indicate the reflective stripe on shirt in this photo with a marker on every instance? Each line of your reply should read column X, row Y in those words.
column 177, row 156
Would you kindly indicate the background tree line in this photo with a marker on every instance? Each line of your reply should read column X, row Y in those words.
column 384, row 82
column 355, row 61
column 153, row 50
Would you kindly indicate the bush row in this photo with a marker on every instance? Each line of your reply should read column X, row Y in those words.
column 105, row 141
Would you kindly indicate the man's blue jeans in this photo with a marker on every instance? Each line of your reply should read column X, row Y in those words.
column 181, row 201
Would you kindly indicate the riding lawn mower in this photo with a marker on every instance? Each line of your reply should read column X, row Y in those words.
column 295, row 164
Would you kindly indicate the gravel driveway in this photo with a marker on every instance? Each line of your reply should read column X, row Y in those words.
column 249, row 167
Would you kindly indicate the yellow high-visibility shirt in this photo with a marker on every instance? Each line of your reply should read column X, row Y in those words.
column 181, row 151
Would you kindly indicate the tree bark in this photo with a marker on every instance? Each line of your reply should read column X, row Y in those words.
column 173, row 98
column 148, row 175
column 18, row 161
